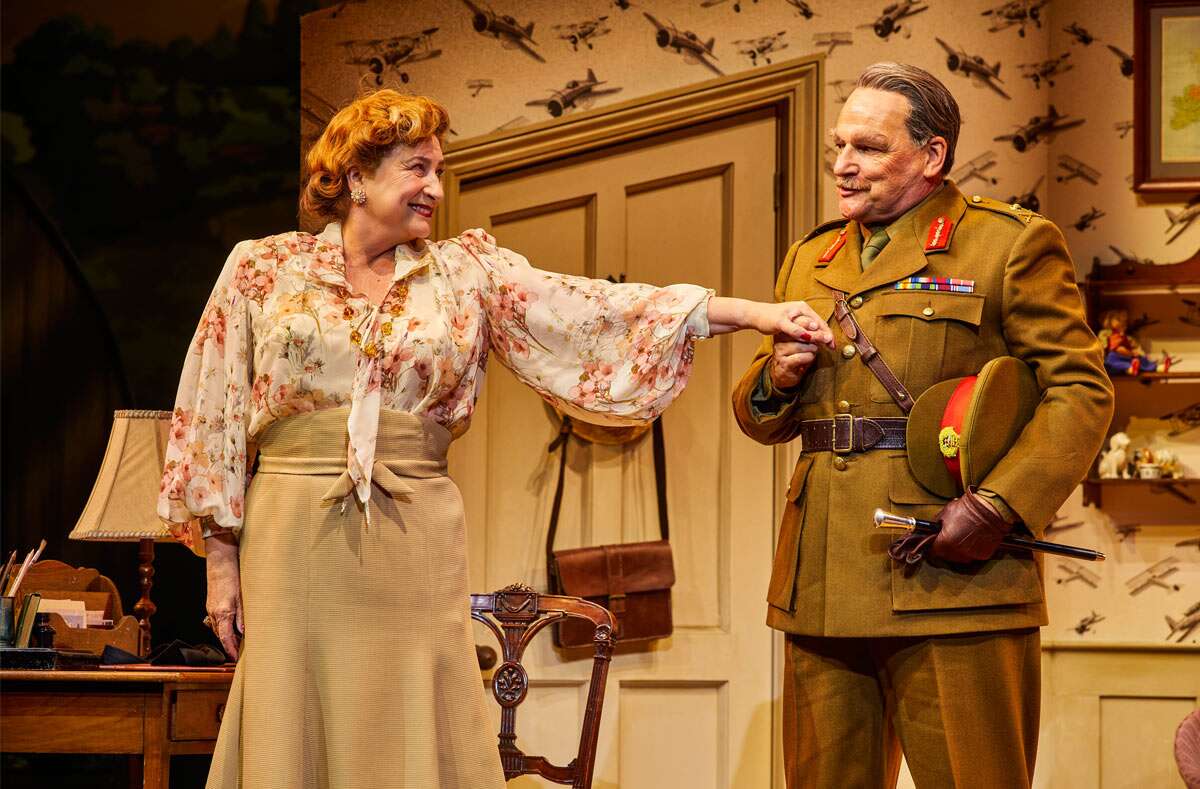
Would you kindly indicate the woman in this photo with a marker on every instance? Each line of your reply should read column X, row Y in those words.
column 348, row 361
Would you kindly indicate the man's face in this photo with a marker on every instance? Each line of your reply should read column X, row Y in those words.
column 880, row 172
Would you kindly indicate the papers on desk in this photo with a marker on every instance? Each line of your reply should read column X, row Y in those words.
column 75, row 613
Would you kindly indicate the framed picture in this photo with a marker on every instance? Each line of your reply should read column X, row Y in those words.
column 1166, row 96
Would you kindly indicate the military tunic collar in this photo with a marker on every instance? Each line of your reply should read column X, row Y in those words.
column 905, row 254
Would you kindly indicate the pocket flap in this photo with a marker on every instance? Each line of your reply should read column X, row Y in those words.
column 616, row 569
column 929, row 305
column 903, row 488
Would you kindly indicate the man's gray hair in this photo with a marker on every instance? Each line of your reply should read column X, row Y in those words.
column 933, row 111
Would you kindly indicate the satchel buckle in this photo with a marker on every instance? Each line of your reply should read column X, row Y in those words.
column 838, row 421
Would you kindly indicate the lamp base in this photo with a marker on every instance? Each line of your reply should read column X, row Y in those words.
column 145, row 607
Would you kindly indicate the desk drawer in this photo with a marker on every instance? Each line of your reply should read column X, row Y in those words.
column 196, row 714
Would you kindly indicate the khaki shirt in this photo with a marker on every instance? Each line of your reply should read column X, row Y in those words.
column 832, row 575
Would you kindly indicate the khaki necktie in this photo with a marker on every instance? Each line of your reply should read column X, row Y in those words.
column 874, row 246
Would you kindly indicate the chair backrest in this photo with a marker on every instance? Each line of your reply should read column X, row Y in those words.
column 515, row 615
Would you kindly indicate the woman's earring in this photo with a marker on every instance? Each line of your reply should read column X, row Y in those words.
column 358, row 196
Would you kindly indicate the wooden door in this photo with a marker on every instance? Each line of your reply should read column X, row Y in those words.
column 694, row 206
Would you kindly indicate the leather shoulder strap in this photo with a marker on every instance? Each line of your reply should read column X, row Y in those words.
column 660, row 488
column 869, row 353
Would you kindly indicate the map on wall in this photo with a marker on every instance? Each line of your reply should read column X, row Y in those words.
column 1181, row 89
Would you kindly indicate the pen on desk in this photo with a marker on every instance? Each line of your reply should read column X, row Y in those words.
column 12, row 557
column 12, row 585
column 30, row 558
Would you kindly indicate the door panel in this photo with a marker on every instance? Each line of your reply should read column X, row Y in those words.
column 686, row 207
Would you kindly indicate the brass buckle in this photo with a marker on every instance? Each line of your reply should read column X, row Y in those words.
column 849, row 420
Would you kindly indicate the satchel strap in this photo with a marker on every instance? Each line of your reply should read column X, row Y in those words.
column 660, row 489
column 869, row 353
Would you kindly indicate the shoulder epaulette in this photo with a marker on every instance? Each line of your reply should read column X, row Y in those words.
column 1012, row 210
column 825, row 227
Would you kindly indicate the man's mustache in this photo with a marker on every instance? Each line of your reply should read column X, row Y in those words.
column 842, row 184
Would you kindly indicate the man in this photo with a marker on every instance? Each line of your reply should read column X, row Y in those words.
column 941, row 656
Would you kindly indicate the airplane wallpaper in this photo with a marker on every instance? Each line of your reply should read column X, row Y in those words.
column 154, row 136
column 1047, row 124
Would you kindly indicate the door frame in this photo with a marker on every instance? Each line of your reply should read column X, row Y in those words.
column 793, row 90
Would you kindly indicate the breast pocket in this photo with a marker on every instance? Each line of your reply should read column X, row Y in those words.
column 922, row 333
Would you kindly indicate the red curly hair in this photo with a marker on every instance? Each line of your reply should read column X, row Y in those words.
column 360, row 135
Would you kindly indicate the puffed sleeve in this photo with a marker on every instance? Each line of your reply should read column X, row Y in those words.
column 204, row 475
column 608, row 353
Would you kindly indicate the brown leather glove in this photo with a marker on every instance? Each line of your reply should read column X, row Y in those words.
column 971, row 529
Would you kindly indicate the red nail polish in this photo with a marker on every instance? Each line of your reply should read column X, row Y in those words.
column 805, row 336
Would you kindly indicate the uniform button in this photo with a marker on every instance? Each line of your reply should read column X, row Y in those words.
column 839, row 463
column 856, row 302
column 927, row 312
column 1016, row 206
column 843, row 406
column 848, row 351
column 976, row 198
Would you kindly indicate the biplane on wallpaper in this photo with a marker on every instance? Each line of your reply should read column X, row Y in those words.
column 976, row 168
column 761, row 48
column 391, row 54
column 585, row 32
column 832, row 40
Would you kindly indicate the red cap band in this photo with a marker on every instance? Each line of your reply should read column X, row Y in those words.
column 950, row 436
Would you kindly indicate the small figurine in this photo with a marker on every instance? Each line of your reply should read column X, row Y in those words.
column 1166, row 460
column 1122, row 352
column 1115, row 462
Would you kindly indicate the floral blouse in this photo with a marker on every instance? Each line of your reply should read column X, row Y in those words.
column 284, row 334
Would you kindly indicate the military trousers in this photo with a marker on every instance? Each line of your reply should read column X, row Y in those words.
column 964, row 708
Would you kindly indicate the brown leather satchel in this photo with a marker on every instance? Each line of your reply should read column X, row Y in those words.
column 632, row 580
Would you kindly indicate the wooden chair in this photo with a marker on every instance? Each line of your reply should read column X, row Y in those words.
column 515, row 615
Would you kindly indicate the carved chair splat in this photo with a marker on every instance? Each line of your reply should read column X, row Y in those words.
column 515, row 615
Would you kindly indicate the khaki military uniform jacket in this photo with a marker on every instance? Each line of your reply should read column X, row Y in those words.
column 832, row 575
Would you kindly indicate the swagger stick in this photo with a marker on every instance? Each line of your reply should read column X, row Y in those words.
column 888, row 520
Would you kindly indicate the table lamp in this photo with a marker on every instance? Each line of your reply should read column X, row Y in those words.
column 122, row 506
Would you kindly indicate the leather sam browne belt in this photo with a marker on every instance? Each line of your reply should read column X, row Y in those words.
column 846, row 433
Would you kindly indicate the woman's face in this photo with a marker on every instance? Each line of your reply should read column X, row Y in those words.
column 404, row 190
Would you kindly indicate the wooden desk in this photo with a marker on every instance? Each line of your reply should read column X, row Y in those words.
column 156, row 714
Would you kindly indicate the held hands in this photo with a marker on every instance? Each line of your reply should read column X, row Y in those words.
column 799, row 332
column 971, row 530
column 224, row 603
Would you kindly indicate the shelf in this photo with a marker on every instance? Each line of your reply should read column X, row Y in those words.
column 1128, row 275
column 1156, row 378
column 1146, row 483
column 1176, row 489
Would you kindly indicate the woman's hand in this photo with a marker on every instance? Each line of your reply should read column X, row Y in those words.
column 798, row 332
column 224, row 603
column 792, row 319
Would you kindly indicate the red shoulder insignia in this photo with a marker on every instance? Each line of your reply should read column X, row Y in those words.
column 833, row 248
column 939, row 233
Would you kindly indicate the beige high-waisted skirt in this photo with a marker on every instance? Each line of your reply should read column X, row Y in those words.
column 358, row 667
